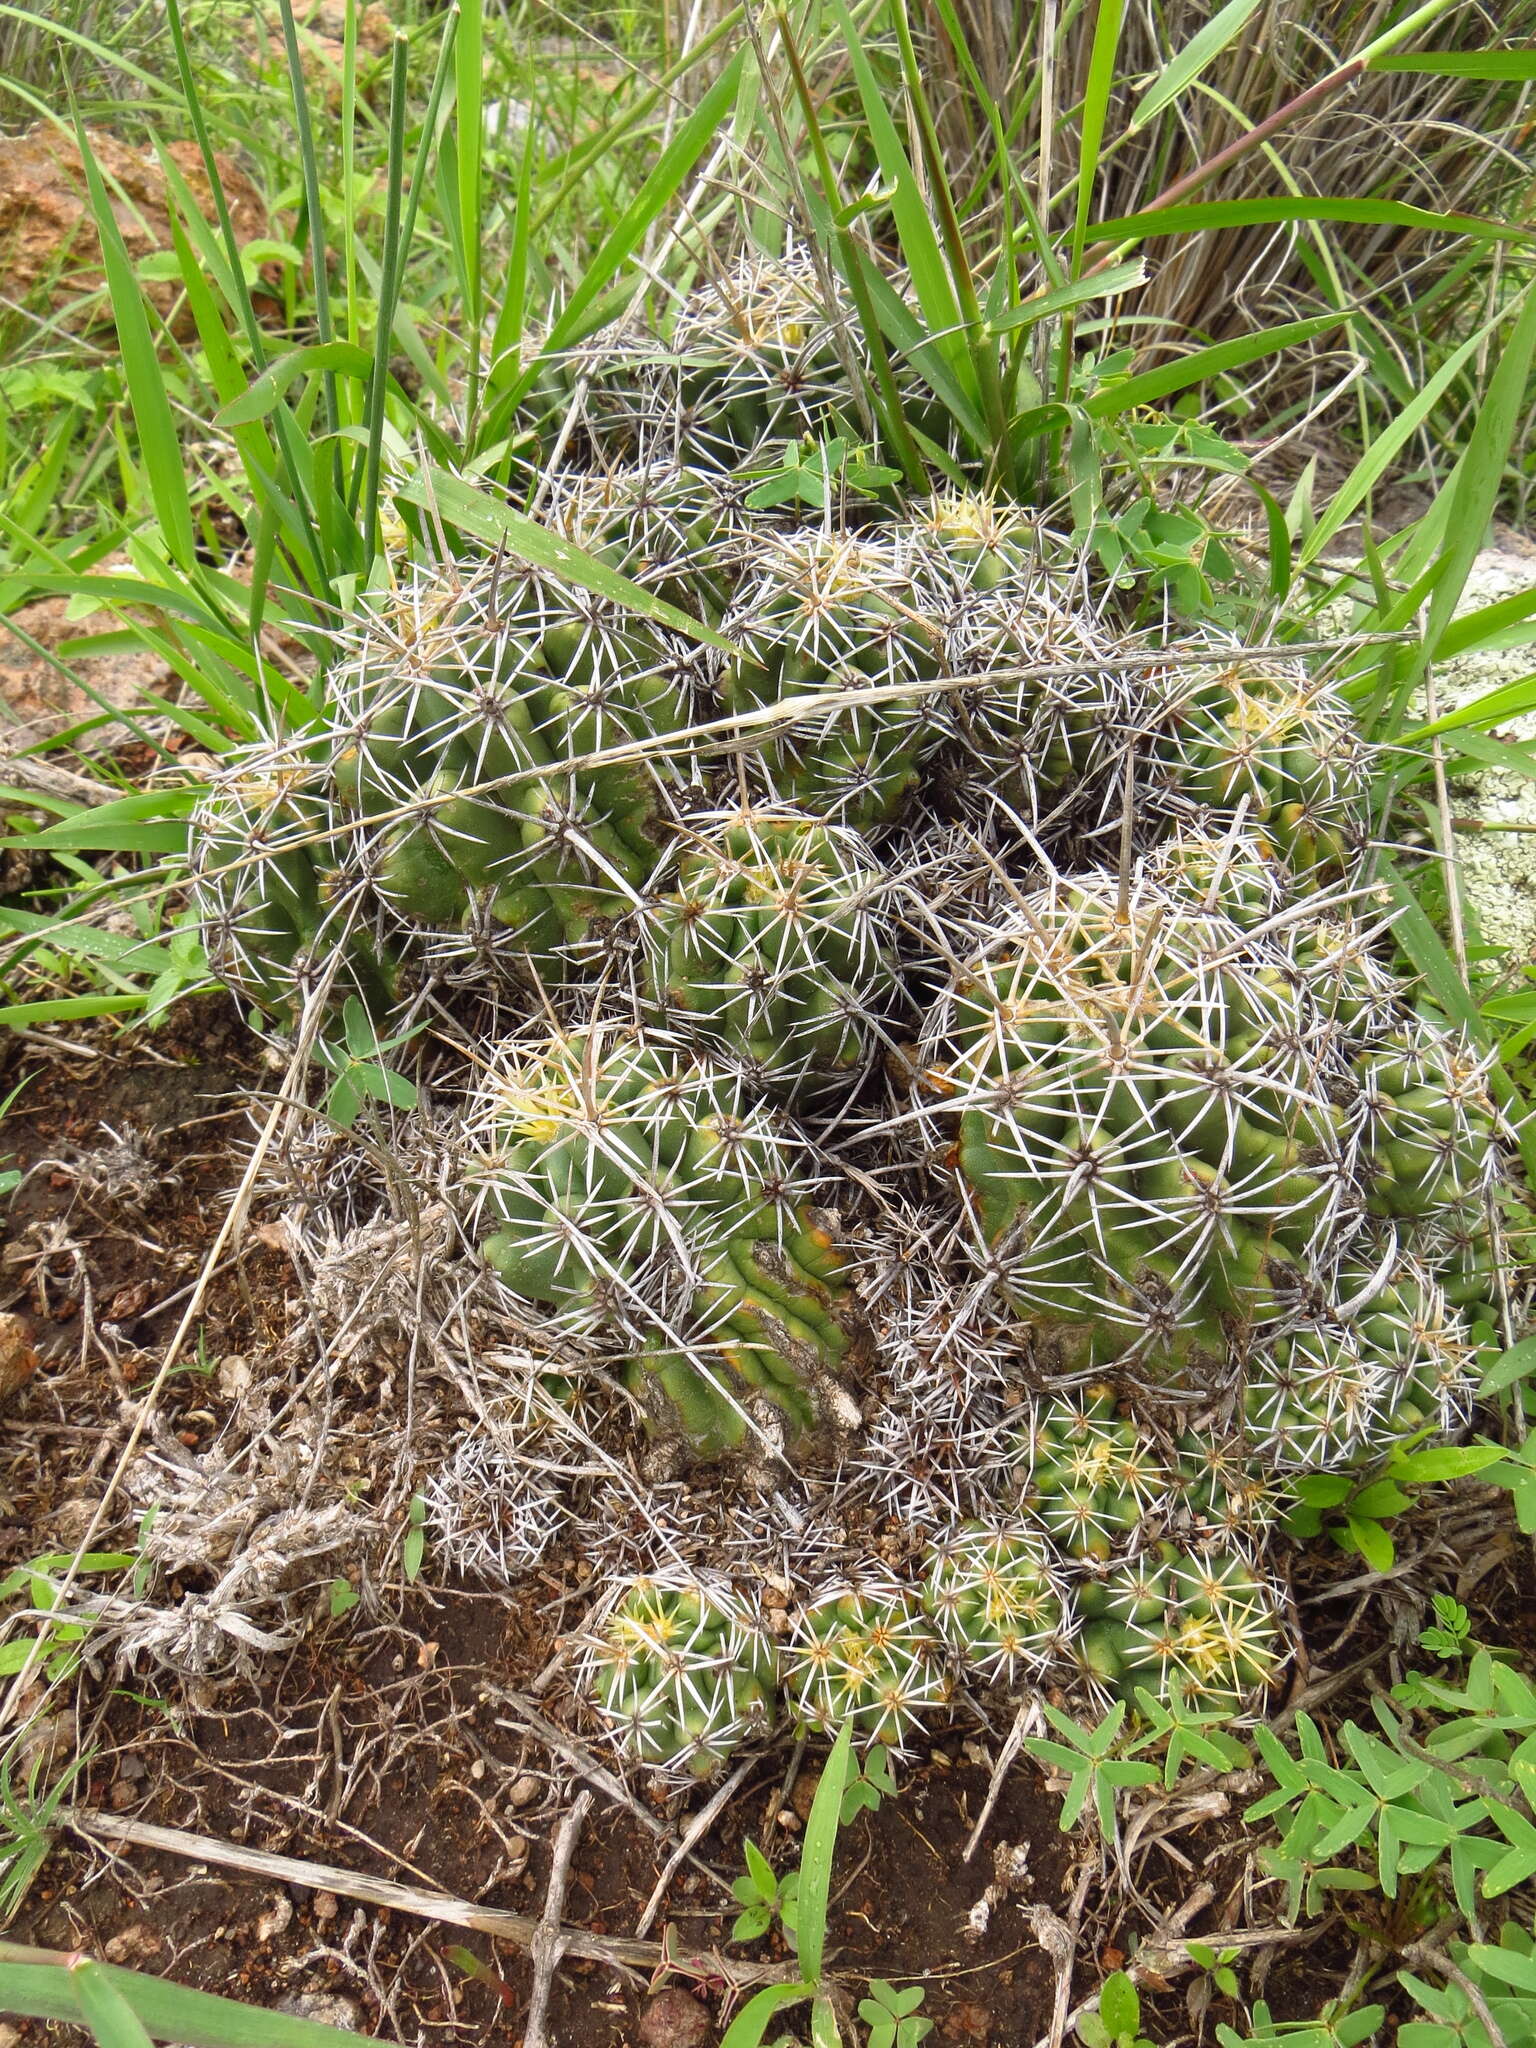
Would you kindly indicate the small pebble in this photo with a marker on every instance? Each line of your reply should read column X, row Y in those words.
column 327, row 1907
column 674, row 2018
column 326, row 2008
column 803, row 1793
column 523, row 1790
column 135, row 1943
column 276, row 1920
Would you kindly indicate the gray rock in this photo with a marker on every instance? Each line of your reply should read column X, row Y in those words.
column 1498, row 867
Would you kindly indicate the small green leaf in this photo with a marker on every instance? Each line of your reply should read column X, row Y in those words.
column 752, row 2022
column 1120, row 2005
column 1518, row 1363
column 1372, row 1542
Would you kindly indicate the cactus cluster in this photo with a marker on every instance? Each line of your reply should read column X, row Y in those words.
column 876, row 880
column 1202, row 1621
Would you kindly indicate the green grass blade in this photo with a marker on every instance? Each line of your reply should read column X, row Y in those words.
column 272, row 386
column 142, row 823
column 816, row 1859
column 1478, row 478
column 1202, row 49
column 1108, row 22
column 1384, row 450
column 1152, row 385
column 378, row 383
column 159, row 443
column 21, row 1017
column 1201, row 216
column 492, row 520
column 1426, row 951
column 469, row 159
column 1512, row 67
column 65, row 932
column 751, row 2024
column 1507, row 623
column 166, row 2011
column 1100, row 284
column 648, row 204
column 103, row 2007
column 320, row 269
column 921, row 248
column 1509, row 700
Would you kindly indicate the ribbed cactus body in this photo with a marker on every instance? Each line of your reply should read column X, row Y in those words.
column 997, row 1602
column 831, row 618
column 1310, row 1396
column 1201, row 1619
column 1088, row 1476
column 1229, row 872
column 1427, row 1123
column 1283, row 749
column 769, row 938
column 468, row 722
column 279, row 916
column 1139, row 1131
column 672, row 530
column 1414, row 1340
column 983, row 542
column 625, row 1186
column 1044, row 735
column 683, row 1672
column 755, row 357
column 864, row 1653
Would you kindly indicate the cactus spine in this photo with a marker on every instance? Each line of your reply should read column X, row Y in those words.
column 768, row 940
column 683, row 1672
column 624, row 1185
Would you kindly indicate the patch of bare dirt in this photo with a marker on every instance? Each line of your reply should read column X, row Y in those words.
column 47, row 228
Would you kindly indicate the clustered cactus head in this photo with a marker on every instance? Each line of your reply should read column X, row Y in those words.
column 623, row 1185
column 768, row 938
column 498, row 735
column 1089, row 1477
column 931, row 980
column 1140, row 1136
column 1045, row 736
column 1309, row 1398
column 672, row 530
column 281, row 917
column 1200, row 1621
column 866, row 1653
column 1283, row 752
column 840, row 622
column 997, row 1602
column 682, row 1672
column 756, row 356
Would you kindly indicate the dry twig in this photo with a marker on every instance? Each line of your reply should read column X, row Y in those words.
column 549, row 1944
column 517, row 1928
